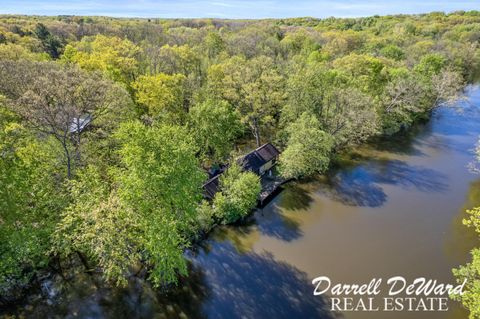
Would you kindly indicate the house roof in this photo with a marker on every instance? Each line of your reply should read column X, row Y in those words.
column 258, row 157
column 210, row 188
column 249, row 162
column 80, row 123
column 267, row 152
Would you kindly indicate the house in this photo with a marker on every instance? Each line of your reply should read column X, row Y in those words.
column 260, row 160
column 79, row 124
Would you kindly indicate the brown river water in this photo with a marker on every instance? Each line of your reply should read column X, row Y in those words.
column 393, row 207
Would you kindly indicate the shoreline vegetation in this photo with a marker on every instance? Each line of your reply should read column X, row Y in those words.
column 108, row 126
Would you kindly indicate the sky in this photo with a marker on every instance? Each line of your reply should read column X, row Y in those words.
column 235, row 9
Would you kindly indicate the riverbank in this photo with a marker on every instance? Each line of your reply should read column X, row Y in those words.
column 410, row 191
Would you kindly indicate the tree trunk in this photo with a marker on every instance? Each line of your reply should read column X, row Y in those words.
column 69, row 166
column 257, row 139
column 256, row 132
column 84, row 261
column 69, row 160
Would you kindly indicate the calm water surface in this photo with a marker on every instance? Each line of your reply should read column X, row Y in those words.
column 392, row 208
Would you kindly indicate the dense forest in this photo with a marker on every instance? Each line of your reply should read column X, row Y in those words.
column 108, row 126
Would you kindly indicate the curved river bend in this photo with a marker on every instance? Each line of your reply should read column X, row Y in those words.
column 392, row 208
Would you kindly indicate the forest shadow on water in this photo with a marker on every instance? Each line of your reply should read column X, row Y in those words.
column 266, row 222
column 361, row 185
column 270, row 220
column 221, row 283
column 252, row 285
column 405, row 142
column 88, row 296
column 277, row 225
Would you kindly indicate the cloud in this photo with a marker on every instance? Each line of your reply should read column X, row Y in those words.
column 223, row 4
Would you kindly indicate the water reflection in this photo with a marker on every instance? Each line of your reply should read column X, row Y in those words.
column 268, row 221
column 256, row 286
column 85, row 296
column 298, row 197
column 469, row 110
column 242, row 236
column 361, row 185
column 277, row 225
column 405, row 142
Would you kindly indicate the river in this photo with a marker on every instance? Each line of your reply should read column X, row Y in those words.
column 393, row 207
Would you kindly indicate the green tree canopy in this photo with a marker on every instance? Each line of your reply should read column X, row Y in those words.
column 161, row 181
column 146, row 215
column 254, row 87
column 215, row 125
column 113, row 56
column 30, row 202
column 238, row 195
column 308, row 148
column 162, row 95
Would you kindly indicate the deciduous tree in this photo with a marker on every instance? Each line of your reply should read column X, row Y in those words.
column 115, row 57
column 60, row 101
column 238, row 195
column 162, row 95
column 215, row 125
column 308, row 148
column 254, row 87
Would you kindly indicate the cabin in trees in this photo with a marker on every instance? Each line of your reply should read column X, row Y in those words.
column 259, row 161
column 210, row 188
column 79, row 124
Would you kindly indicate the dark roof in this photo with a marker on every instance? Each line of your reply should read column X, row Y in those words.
column 258, row 157
column 267, row 152
column 210, row 188
column 249, row 162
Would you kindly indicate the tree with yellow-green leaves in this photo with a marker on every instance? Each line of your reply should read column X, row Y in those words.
column 215, row 124
column 30, row 202
column 16, row 52
column 238, row 194
column 254, row 87
column 308, row 148
column 115, row 57
column 162, row 96
column 146, row 216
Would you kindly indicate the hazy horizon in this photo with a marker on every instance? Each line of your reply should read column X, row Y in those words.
column 230, row 9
